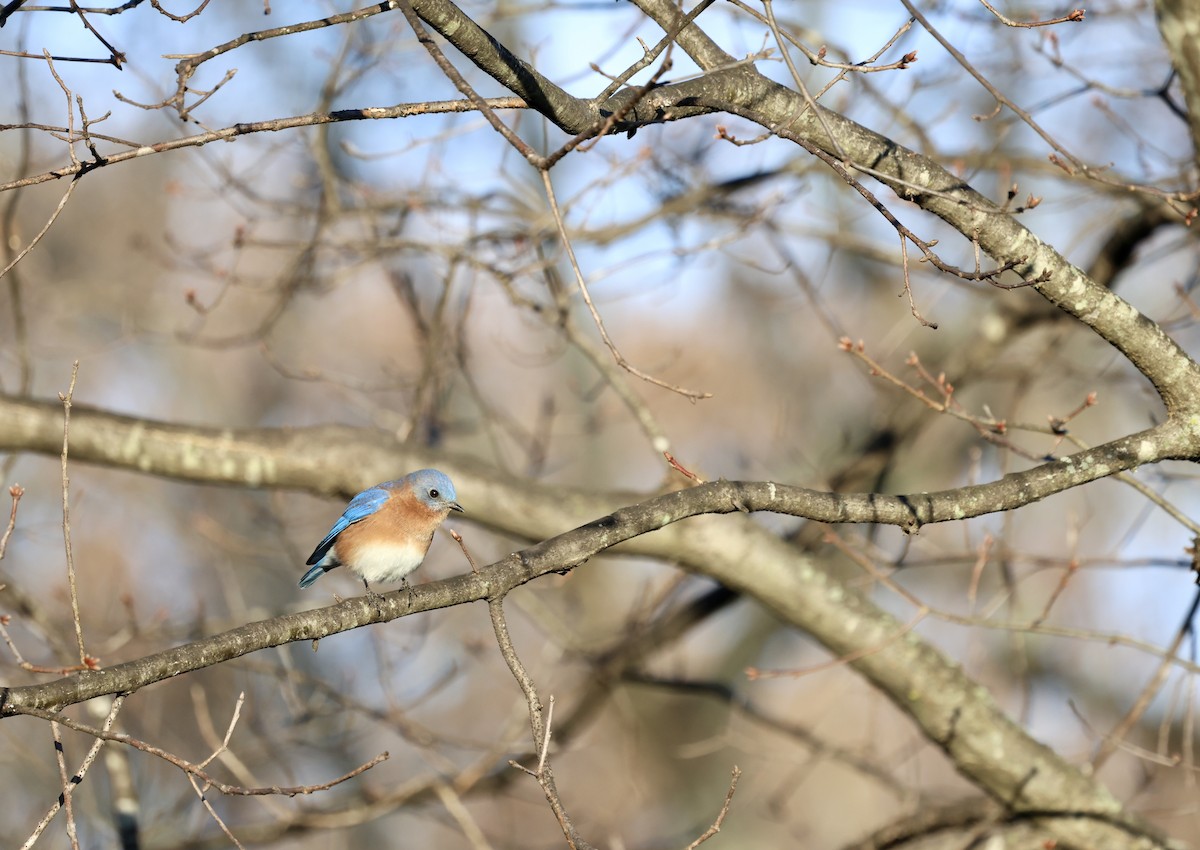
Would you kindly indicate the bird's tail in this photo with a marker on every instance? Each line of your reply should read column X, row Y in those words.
column 313, row 574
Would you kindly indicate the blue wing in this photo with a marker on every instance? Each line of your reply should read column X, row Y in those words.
column 360, row 507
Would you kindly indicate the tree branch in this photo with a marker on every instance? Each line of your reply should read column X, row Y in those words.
column 342, row 460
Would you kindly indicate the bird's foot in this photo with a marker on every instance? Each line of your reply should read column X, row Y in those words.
column 376, row 599
column 408, row 589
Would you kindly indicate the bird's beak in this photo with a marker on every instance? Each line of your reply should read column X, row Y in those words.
column 455, row 506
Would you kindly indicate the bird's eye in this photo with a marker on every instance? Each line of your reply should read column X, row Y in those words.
column 433, row 494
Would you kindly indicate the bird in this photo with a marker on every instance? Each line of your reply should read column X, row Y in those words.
column 386, row 530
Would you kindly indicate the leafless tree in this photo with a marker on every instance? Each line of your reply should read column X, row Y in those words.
column 756, row 338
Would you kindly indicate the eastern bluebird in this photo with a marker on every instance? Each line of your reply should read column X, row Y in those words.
column 386, row 530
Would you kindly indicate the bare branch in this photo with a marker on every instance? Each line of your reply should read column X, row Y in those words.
column 193, row 770
column 1074, row 16
column 538, row 723
column 70, row 784
column 693, row 395
column 16, row 491
column 66, row 399
column 716, row 825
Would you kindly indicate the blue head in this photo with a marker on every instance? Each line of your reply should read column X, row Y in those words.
column 434, row 489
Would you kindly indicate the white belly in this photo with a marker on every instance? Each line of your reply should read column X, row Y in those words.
column 385, row 562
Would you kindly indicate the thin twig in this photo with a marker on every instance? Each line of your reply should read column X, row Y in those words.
column 116, row 57
column 462, row 816
column 682, row 470
column 5, row 619
column 233, row 720
column 118, row 775
column 212, row 813
column 912, row 303
column 463, row 86
column 466, row 552
column 716, row 825
column 1114, row 739
column 1069, row 572
column 1148, row 492
column 16, row 491
column 602, row 128
column 988, row 427
column 541, row 729
column 609, row 370
column 650, row 55
column 818, row 57
column 62, row 202
column 66, row 514
column 545, row 747
column 74, row 182
column 69, row 786
column 981, row 561
column 193, row 769
column 19, row 163
column 220, row 746
column 179, row 19
column 65, row 783
column 692, row 395
column 1075, row 16
column 57, row 57
column 316, row 119
column 809, row 101
column 70, row 108
column 1073, row 165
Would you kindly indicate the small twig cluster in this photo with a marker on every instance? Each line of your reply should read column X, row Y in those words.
column 941, row 400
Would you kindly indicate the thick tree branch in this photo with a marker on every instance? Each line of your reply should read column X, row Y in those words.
column 519, row 77
column 342, row 460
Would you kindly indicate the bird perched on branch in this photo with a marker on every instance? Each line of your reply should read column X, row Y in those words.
column 385, row 531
